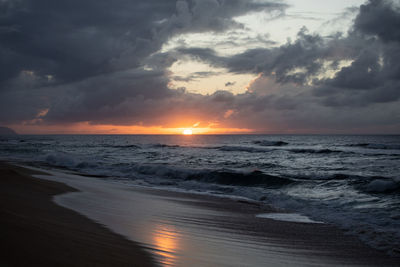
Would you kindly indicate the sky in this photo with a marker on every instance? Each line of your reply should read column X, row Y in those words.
column 212, row 66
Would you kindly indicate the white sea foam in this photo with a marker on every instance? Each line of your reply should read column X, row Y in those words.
column 287, row 217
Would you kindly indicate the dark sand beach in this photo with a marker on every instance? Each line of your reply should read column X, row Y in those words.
column 37, row 232
column 179, row 229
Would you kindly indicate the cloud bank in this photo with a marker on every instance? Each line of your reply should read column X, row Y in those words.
column 101, row 62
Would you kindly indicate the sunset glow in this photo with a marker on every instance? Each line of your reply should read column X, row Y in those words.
column 187, row 132
column 87, row 128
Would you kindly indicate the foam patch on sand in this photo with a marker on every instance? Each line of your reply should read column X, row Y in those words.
column 287, row 217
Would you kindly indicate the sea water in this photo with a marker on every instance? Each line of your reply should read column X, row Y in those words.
column 350, row 181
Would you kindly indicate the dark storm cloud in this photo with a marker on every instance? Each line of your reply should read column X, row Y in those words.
column 380, row 18
column 215, row 15
column 372, row 46
column 293, row 91
column 303, row 53
column 73, row 57
column 175, row 107
column 375, row 71
column 76, row 39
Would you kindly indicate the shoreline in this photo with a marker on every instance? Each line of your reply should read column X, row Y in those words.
column 37, row 232
column 183, row 229
column 180, row 228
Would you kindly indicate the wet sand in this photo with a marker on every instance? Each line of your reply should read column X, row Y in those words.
column 34, row 231
column 182, row 229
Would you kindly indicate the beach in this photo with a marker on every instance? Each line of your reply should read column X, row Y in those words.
column 42, row 223
column 37, row 232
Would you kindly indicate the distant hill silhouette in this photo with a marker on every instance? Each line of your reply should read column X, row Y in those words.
column 7, row 131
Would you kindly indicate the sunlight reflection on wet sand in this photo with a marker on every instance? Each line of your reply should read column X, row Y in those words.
column 166, row 242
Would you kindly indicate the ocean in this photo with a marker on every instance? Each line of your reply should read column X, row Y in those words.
column 350, row 181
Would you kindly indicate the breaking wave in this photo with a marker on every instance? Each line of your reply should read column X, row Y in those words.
column 243, row 149
column 383, row 186
column 66, row 160
column 255, row 178
column 162, row 146
column 376, row 146
column 317, row 151
column 160, row 173
column 223, row 177
column 270, row 143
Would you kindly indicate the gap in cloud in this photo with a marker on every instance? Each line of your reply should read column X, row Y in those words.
column 324, row 17
column 202, row 78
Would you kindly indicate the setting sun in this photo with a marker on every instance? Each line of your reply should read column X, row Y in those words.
column 187, row 132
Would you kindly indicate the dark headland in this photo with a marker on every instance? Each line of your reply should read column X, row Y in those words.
column 7, row 131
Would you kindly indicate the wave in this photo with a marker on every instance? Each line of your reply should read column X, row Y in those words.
column 141, row 146
column 163, row 146
column 368, row 184
column 122, row 146
column 270, row 143
column 317, row 151
column 66, row 160
column 322, row 177
column 223, row 177
column 243, row 149
column 254, row 178
column 380, row 185
column 376, row 146
column 20, row 150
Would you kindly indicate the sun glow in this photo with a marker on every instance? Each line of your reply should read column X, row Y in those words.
column 88, row 128
column 187, row 132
